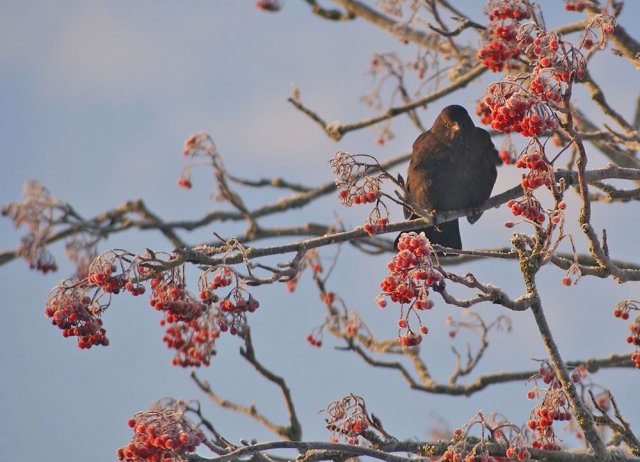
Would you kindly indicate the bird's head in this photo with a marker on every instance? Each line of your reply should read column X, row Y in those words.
column 452, row 121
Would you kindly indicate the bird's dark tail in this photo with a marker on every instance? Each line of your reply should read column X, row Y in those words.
column 445, row 234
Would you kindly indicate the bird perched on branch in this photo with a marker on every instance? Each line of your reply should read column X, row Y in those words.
column 453, row 167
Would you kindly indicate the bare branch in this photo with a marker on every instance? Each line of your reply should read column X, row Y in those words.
column 337, row 130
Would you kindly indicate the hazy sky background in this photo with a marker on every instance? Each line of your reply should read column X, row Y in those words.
column 96, row 99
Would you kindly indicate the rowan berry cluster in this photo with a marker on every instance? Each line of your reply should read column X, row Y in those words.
column 501, row 47
column 168, row 294
column 194, row 340
column 623, row 311
column 76, row 315
column 506, row 157
column 466, row 448
column 553, row 408
column 526, row 103
column 348, row 419
column 101, row 274
column 528, row 207
column 356, row 193
column 507, row 151
column 356, row 187
column 221, row 277
column 314, row 338
column 161, row 434
column 375, row 225
column 540, row 170
column 233, row 310
column 510, row 107
column 192, row 326
column 411, row 274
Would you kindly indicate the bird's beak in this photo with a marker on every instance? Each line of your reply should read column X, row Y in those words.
column 455, row 127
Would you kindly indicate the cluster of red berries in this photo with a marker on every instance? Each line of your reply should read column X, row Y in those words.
column 525, row 103
column 356, row 187
column 507, row 107
column 73, row 313
column 540, row 171
column 134, row 288
column 554, row 407
column 519, row 454
column 104, row 278
column 194, row 341
column 349, row 429
column 315, row 338
column 367, row 193
column 506, row 157
column 347, row 419
column 233, row 311
column 498, row 53
column 171, row 296
column 222, row 277
column 499, row 10
column 622, row 311
column 528, row 207
column 161, row 434
column 411, row 274
column 501, row 46
column 541, row 423
column 375, row 226
column 601, row 26
column 547, row 88
column 554, row 61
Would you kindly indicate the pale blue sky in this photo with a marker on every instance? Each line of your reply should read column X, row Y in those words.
column 96, row 99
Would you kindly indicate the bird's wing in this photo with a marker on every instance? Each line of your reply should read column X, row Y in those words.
column 485, row 144
column 486, row 158
column 415, row 172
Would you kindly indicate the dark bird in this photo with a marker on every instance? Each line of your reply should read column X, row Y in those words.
column 453, row 167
